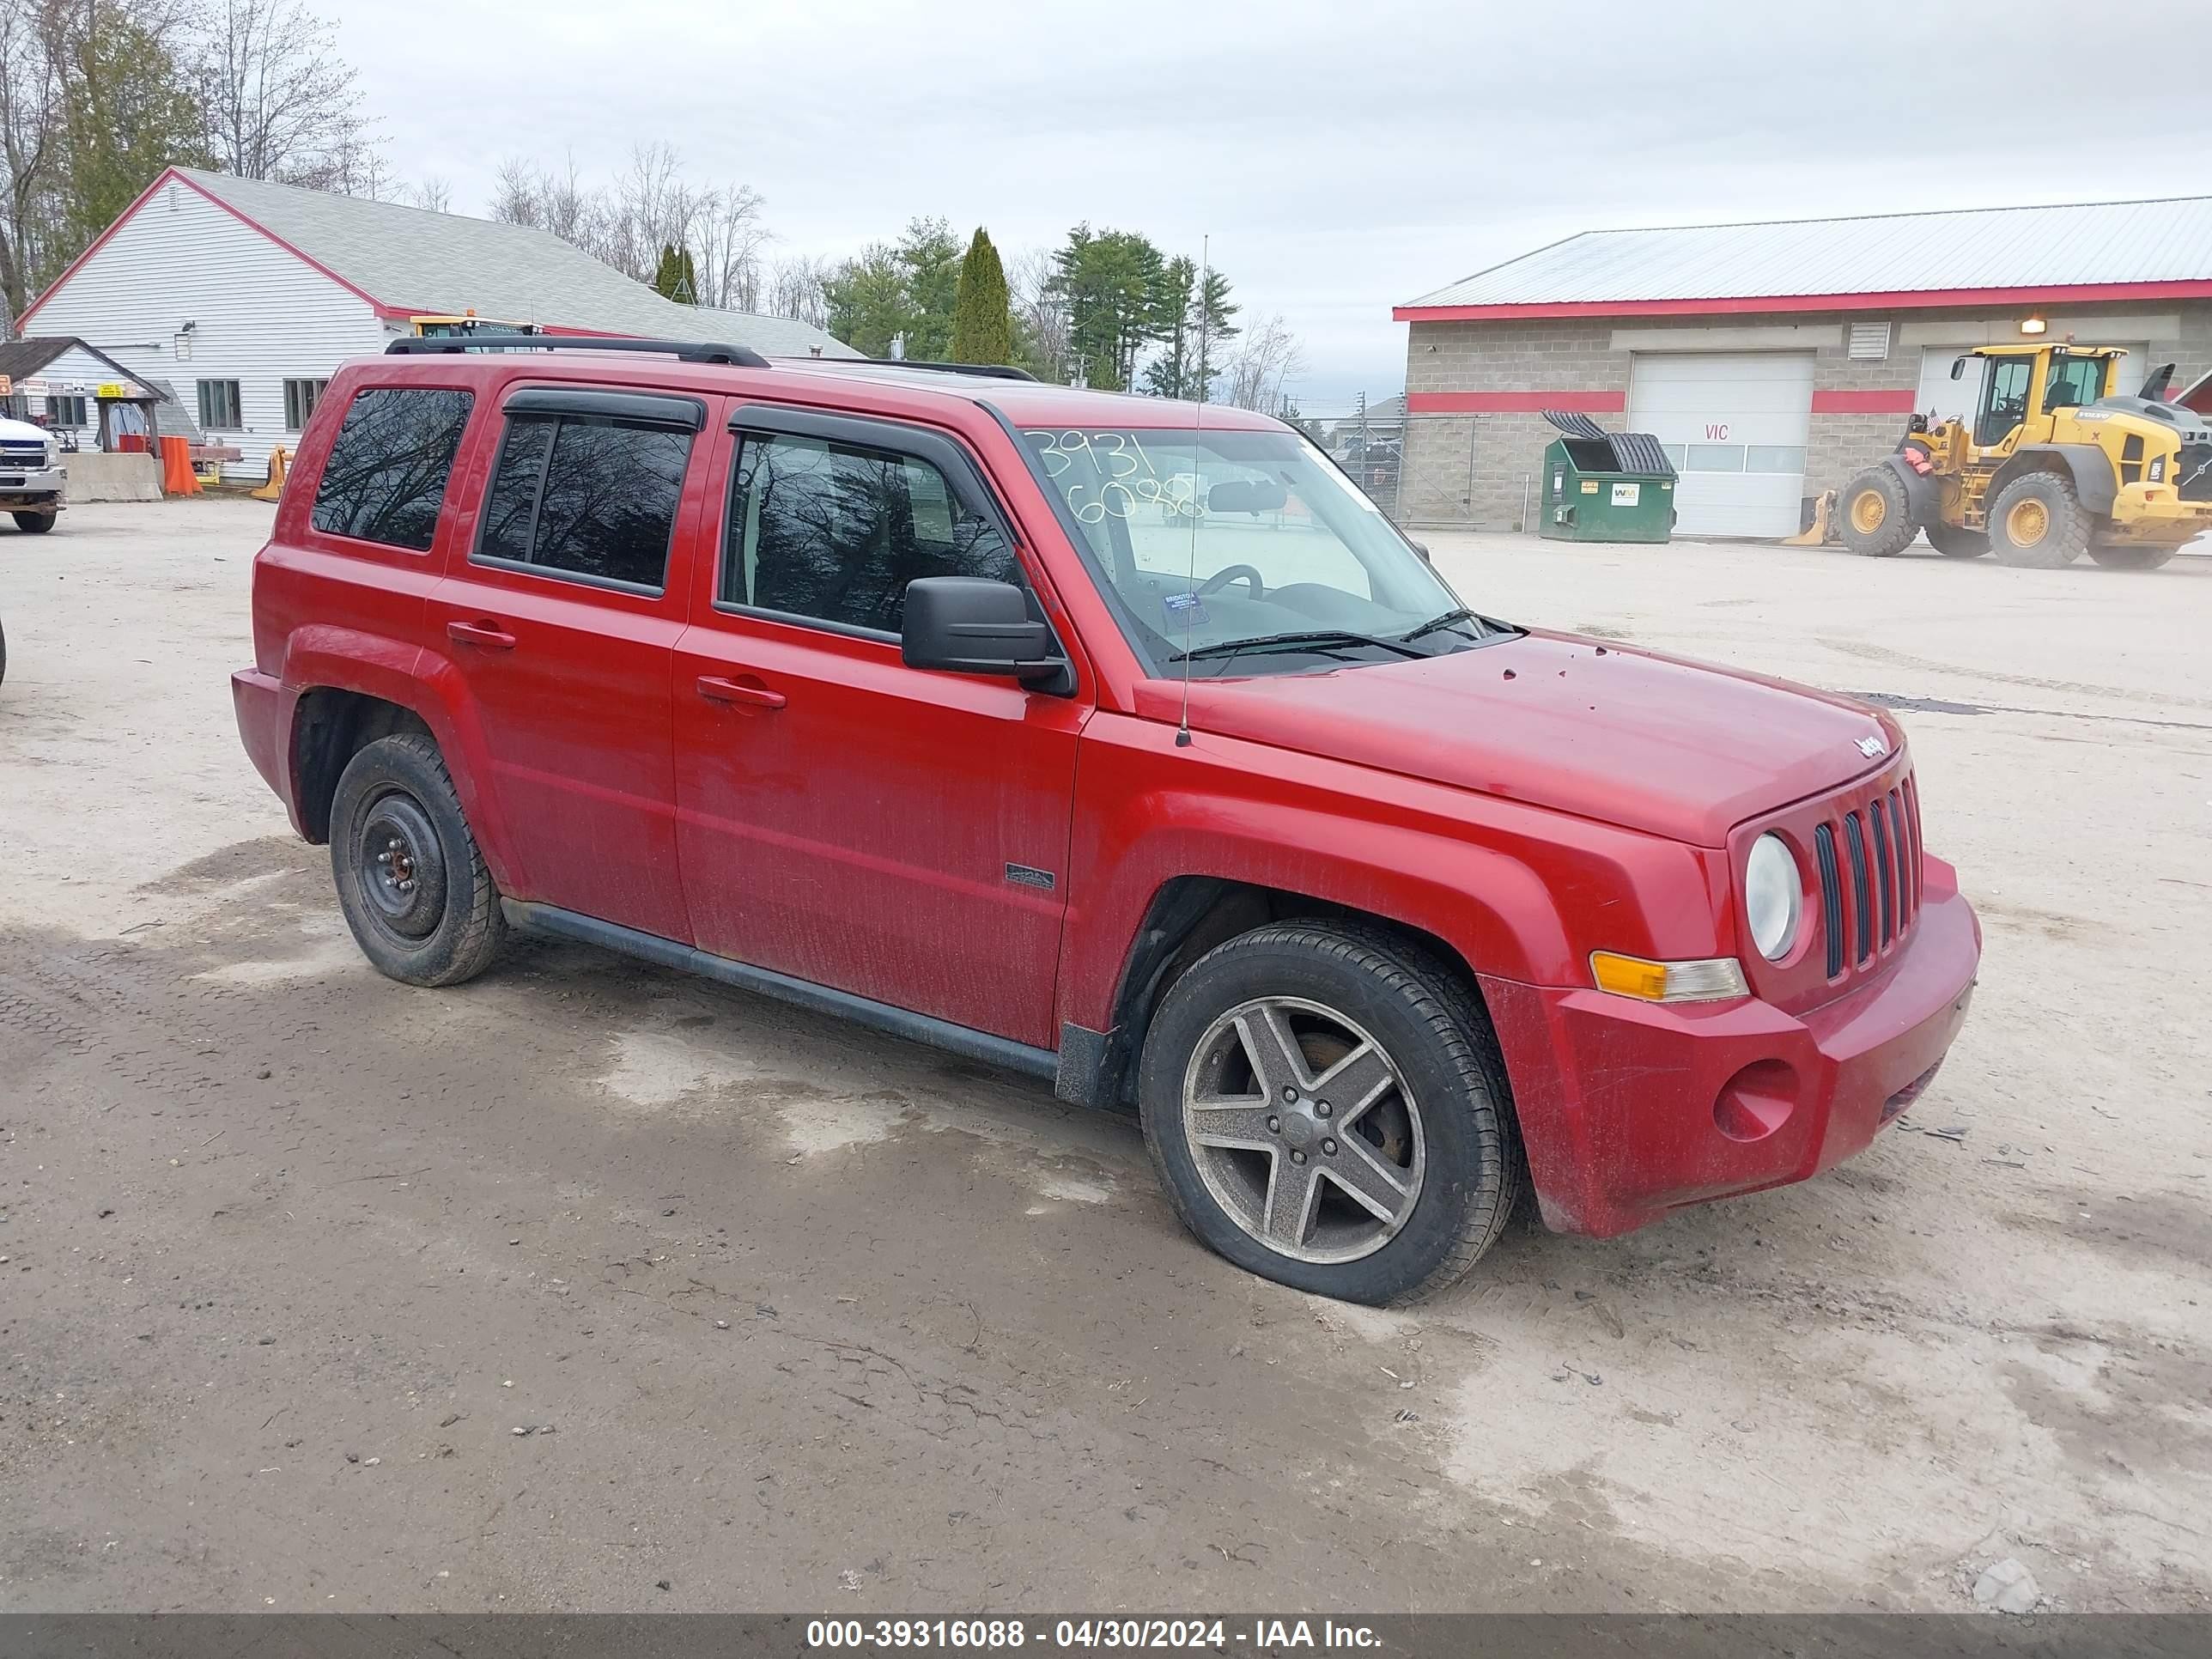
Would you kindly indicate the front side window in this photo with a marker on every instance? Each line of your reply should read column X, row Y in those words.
column 386, row 478
column 1212, row 538
column 2006, row 404
column 834, row 532
column 219, row 406
column 587, row 495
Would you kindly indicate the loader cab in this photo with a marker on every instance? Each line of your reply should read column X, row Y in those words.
column 2023, row 382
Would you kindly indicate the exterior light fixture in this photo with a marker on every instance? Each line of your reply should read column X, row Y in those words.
column 2033, row 325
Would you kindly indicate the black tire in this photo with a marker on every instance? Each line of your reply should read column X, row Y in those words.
column 395, row 798
column 1957, row 542
column 1428, row 1022
column 2047, row 501
column 2131, row 558
column 1873, row 515
column 33, row 524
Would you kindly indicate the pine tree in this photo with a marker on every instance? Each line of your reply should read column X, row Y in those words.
column 982, row 316
column 674, row 276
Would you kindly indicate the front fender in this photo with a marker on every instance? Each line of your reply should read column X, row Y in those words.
column 1923, row 496
column 2091, row 469
column 1515, row 890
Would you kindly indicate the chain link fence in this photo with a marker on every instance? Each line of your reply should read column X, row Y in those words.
column 1368, row 441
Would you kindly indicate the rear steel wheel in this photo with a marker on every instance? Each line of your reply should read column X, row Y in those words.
column 411, row 880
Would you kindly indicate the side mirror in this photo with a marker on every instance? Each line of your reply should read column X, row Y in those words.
column 1421, row 548
column 967, row 625
column 1958, row 368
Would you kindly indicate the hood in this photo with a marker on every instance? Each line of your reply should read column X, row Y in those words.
column 1604, row 731
column 19, row 430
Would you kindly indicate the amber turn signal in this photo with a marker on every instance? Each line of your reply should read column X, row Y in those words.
column 1715, row 979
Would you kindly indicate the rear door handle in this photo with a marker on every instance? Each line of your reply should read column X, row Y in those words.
column 715, row 689
column 484, row 632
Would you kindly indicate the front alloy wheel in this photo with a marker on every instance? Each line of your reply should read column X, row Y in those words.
column 1303, row 1129
column 1325, row 1103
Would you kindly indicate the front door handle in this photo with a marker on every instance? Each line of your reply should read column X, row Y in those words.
column 750, row 693
column 483, row 631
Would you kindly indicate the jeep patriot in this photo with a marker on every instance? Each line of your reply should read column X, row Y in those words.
column 1120, row 742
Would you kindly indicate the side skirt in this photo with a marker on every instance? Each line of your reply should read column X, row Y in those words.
column 964, row 1041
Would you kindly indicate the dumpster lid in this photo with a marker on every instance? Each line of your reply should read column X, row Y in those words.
column 1631, row 451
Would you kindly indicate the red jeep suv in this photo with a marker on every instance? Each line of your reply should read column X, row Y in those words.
column 1120, row 742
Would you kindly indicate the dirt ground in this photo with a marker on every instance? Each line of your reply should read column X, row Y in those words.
column 802, row 1318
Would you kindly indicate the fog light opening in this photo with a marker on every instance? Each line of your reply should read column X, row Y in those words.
column 1756, row 1102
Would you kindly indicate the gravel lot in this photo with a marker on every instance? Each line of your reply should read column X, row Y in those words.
column 804, row 1318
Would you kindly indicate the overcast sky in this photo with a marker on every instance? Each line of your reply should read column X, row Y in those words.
column 1343, row 157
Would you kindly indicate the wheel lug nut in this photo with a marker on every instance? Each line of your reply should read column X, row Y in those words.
column 1329, row 1146
column 1289, row 1093
column 1297, row 1158
column 384, row 858
column 1274, row 1126
column 1321, row 1107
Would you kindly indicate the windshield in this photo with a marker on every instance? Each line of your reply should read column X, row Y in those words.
column 1212, row 538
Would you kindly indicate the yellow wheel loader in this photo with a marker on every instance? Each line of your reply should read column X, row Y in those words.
column 2054, row 463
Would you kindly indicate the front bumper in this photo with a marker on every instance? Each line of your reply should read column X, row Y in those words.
column 1630, row 1109
column 31, row 487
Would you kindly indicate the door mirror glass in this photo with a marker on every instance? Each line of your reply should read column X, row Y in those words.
column 969, row 625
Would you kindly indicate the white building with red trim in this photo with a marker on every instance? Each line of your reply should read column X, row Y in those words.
column 1774, row 360
column 241, row 296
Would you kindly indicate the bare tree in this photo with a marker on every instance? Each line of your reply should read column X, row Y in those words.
column 433, row 192
column 1267, row 357
column 794, row 290
column 732, row 239
column 281, row 103
column 518, row 192
column 32, row 61
column 1043, row 333
column 526, row 193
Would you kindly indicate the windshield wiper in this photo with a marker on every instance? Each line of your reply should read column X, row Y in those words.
column 1445, row 620
column 1315, row 639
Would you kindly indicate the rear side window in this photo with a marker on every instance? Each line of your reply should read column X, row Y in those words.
column 832, row 532
column 586, row 495
column 386, row 478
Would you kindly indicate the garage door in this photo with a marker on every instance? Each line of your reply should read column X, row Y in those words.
column 1734, row 425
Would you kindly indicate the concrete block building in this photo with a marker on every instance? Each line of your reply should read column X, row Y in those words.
column 1774, row 360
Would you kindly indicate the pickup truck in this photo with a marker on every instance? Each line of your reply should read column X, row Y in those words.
column 1117, row 742
column 32, row 475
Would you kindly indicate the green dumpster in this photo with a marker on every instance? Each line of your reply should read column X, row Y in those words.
column 1603, row 486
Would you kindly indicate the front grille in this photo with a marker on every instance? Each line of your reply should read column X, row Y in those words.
column 1831, row 896
column 1871, row 889
column 21, row 451
column 2192, row 473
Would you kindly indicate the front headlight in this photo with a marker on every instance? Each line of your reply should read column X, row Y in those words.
column 1773, row 896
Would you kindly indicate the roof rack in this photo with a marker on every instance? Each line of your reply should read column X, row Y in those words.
column 982, row 371
column 690, row 351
